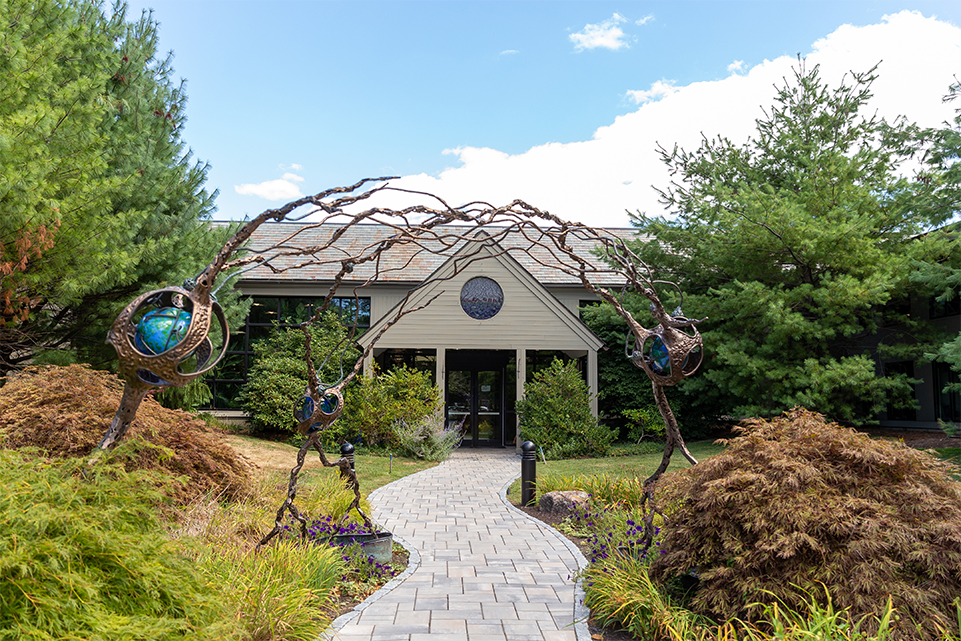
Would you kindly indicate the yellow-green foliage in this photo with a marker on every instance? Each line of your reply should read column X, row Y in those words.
column 83, row 556
column 620, row 593
column 281, row 592
column 795, row 503
column 607, row 489
column 374, row 404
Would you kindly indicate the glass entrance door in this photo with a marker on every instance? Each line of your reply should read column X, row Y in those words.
column 475, row 397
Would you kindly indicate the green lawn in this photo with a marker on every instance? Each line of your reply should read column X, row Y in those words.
column 278, row 458
column 629, row 466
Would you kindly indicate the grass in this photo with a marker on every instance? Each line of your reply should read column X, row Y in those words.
column 620, row 466
column 951, row 454
column 372, row 471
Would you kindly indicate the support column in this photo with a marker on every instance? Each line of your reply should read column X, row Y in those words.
column 440, row 373
column 369, row 364
column 521, row 359
column 592, row 378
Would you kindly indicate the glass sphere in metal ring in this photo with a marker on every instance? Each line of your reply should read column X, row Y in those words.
column 304, row 409
column 328, row 404
column 161, row 329
column 481, row 298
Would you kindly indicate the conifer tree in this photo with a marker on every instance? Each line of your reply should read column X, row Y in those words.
column 99, row 198
column 937, row 189
column 794, row 244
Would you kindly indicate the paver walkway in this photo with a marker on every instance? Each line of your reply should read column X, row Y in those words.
column 480, row 569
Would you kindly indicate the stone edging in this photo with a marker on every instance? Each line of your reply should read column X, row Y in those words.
column 413, row 562
column 581, row 611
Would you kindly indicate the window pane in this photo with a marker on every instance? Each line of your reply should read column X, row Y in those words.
column 238, row 341
column 258, row 332
column 294, row 311
column 351, row 310
column 225, row 395
column 232, row 366
column 263, row 310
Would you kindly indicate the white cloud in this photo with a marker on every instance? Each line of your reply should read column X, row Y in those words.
column 658, row 90
column 736, row 66
column 606, row 35
column 597, row 180
column 281, row 189
column 509, row 52
column 643, row 21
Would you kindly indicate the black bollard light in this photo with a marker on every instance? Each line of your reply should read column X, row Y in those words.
column 528, row 472
column 347, row 452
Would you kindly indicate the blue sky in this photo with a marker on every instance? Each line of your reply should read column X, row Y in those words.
column 503, row 100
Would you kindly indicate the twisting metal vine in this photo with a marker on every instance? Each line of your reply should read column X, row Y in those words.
column 156, row 347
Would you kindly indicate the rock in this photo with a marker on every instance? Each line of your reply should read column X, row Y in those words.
column 563, row 501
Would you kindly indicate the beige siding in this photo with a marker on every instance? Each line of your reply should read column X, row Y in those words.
column 525, row 321
column 571, row 298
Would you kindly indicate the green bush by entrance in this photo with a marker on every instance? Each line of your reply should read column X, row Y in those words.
column 556, row 414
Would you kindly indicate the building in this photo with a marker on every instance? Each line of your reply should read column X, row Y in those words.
column 933, row 403
column 498, row 311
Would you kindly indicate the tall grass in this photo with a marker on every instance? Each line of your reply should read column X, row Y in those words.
column 84, row 556
column 283, row 592
column 621, row 594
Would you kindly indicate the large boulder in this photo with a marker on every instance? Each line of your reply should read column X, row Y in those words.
column 563, row 501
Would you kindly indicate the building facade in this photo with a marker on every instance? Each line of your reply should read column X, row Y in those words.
column 492, row 314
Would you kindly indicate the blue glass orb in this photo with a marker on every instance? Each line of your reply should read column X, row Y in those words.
column 161, row 329
column 328, row 404
column 304, row 409
column 660, row 358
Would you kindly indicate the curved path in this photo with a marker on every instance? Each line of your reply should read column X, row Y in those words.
column 480, row 569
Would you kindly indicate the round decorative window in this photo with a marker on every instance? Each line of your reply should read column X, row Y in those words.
column 481, row 298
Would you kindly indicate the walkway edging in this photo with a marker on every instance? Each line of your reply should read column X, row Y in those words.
column 581, row 612
column 413, row 562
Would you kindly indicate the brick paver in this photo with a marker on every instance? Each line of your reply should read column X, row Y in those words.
column 480, row 570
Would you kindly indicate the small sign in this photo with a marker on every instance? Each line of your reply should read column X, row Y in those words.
column 485, row 388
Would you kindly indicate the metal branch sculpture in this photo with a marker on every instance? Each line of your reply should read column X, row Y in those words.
column 153, row 346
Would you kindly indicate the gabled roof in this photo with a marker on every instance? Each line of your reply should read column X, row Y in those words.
column 406, row 263
column 461, row 261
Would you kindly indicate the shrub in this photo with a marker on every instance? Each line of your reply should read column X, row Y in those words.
column 644, row 422
column 278, row 377
column 556, row 414
column 427, row 438
column 796, row 505
column 83, row 556
column 190, row 397
column 65, row 411
column 376, row 403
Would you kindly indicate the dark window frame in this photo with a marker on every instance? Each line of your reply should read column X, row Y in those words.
column 947, row 405
column 266, row 320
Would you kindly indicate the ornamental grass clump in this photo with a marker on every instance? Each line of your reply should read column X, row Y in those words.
column 795, row 506
column 427, row 438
